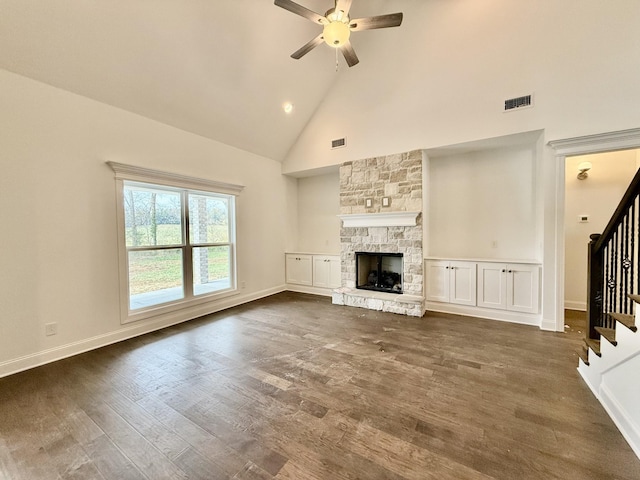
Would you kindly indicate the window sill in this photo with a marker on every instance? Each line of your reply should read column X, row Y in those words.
column 171, row 307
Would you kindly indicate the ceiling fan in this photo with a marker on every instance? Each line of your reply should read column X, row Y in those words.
column 337, row 27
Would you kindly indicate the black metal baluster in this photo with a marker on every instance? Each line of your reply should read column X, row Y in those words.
column 607, row 283
column 622, row 272
column 637, row 235
column 633, row 258
column 614, row 265
column 627, row 262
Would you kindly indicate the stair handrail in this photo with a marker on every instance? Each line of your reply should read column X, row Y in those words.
column 627, row 200
column 596, row 293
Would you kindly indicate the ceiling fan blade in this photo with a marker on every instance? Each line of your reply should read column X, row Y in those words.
column 349, row 54
column 306, row 48
column 381, row 21
column 344, row 5
column 302, row 11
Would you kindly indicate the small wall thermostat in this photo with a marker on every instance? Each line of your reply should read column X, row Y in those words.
column 583, row 218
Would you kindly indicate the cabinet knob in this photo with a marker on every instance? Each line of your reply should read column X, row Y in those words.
column 447, row 267
column 503, row 270
column 510, row 271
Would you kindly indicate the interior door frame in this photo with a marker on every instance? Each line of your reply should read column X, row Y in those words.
column 569, row 147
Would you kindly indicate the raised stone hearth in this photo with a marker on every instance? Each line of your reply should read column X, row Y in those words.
column 393, row 229
column 386, row 302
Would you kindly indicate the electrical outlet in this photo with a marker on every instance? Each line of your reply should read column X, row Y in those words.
column 494, row 244
column 51, row 329
column 243, row 285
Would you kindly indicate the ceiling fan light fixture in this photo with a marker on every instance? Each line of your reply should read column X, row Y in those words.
column 337, row 27
column 336, row 33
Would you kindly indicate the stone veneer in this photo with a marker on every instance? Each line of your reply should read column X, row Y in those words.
column 398, row 177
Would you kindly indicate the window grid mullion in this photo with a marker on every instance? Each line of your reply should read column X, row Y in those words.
column 188, row 249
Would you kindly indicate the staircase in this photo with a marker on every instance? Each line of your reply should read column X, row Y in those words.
column 611, row 369
column 610, row 360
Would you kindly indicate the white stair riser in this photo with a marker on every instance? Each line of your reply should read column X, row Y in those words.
column 608, row 378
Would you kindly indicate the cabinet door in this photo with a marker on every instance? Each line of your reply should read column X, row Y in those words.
column 321, row 270
column 335, row 272
column 523, row 288
column 298, row 269
column 437, row 280
column 462, row 283
column 326, row 271
column 492, row 287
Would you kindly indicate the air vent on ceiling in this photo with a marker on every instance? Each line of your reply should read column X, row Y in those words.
column 338, row 143
column 515, row 103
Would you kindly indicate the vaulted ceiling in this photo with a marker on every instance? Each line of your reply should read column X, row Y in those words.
column 220, row 69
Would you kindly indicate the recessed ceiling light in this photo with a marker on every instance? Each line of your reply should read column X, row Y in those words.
column 287, row 107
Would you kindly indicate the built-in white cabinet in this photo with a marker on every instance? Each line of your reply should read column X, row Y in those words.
column 326, row 271
column 509, row 286
column 508, row 291
column 299, row 269
column 450, row 281
column 305, row 269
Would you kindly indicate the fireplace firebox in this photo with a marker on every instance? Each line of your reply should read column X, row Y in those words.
column 381, row 272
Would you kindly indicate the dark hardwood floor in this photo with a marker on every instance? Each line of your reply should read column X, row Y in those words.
column 292, row 387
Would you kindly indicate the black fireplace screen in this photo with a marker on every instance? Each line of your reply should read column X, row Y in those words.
column 379, row 271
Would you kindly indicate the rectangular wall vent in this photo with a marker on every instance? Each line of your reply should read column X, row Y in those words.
column 515, row 103
column 338, row 143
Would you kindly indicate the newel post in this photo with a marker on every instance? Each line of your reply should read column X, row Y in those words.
column 595, row 287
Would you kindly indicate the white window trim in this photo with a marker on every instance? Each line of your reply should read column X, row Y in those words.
column 133, row 173
column 148, row 175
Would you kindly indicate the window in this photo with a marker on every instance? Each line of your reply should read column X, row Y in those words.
column 177, row 243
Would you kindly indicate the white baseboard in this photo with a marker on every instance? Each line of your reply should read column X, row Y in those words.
column 325, row 292
column 630, row 431
column 549, row 325
column 580, row 306
column 15, row 365
column 470, row 311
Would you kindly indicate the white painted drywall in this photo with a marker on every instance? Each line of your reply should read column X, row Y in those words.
column 597, row 196
column 58, row 247
column 483, row 205
column 318, row 209
column 442, row 78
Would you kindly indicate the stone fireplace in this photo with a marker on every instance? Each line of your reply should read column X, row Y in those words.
column 370, row 227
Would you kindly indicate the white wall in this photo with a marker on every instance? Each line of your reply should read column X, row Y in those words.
column 442, row 78
column 597, row 196
column 483, row 205
column 318, row 209
column 57, row 210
